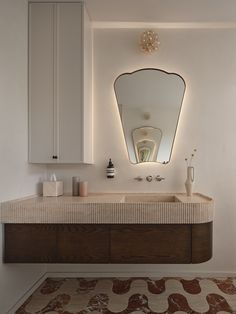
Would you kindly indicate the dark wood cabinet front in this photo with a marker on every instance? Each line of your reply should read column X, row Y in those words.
column 151, row 244
column 201, row 242
column 30, row 243
column 83, row 243
column 103, row 243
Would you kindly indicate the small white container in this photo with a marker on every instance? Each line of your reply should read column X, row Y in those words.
column 52, row 188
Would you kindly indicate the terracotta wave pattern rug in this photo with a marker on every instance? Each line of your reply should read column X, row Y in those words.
column 133, row 295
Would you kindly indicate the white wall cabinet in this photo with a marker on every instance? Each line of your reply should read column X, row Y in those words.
column 60, row 83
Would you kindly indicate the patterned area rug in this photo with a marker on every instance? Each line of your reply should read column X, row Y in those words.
column 133, row 295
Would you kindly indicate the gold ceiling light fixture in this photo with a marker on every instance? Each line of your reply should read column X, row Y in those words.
column 149, row 41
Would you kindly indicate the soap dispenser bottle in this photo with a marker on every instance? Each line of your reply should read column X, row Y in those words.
column 110, row 171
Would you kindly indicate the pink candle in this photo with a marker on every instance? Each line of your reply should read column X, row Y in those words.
column 83, row 188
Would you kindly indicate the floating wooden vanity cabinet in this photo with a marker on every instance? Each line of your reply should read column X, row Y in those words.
column 109, row 228
column 102, row 243
column 60, row 66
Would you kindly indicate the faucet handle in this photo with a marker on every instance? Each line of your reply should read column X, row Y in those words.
column 159, row 178
column 149, row 178
column 138, row 178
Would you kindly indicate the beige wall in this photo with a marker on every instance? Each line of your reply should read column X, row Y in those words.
column 206, row 60
column 17, row 177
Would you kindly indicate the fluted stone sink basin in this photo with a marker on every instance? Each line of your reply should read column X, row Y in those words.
column 150, row 199
column 120, row 208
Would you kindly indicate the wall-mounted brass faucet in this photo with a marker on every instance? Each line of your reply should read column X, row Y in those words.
column 138, row 178
column 150, row 178
column 159, row 178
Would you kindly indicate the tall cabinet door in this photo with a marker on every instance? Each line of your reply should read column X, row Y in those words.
column 41, row 82
column 70, row 82
column 60, row 58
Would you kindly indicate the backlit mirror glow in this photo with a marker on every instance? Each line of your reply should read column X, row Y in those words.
column 149, row 103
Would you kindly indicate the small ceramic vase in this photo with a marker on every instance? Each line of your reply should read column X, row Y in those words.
column 189, row 181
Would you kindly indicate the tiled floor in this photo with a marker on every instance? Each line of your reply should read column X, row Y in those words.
column 133, row 295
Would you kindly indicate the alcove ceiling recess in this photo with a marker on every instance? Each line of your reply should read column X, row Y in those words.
column 212, row 13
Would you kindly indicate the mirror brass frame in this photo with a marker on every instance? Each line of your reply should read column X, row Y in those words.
column 177, row 120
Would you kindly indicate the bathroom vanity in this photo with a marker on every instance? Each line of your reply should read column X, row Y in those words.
column 109, row 228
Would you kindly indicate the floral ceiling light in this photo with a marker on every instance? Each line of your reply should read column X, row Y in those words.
column 149, row 41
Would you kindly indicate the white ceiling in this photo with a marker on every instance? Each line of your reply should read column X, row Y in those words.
column 162, row 11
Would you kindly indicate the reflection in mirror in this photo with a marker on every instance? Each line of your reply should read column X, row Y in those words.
column 146, row 143
column 149, row 102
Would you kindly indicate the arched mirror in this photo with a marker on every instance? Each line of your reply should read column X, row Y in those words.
column 149, row 102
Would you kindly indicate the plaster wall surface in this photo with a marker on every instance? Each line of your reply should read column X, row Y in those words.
column 17, row 177
column 206, row 59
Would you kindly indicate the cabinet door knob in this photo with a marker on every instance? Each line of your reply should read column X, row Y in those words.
column 54, row 157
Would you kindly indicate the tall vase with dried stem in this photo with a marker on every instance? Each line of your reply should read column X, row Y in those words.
column 190, row 174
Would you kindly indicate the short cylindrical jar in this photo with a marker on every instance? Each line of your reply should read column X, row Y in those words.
column 75, row 186
column 83, row 188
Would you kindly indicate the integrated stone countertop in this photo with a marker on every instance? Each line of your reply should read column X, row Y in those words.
column 110, row 209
